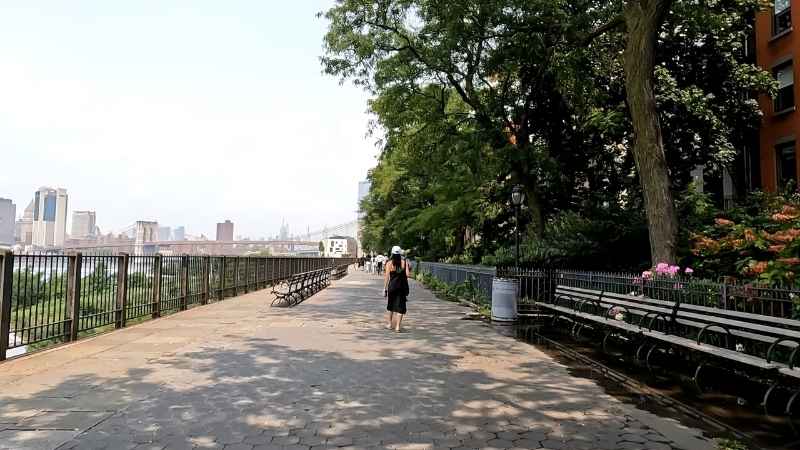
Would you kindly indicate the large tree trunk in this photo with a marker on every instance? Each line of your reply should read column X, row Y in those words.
column 534, row 204
column 643, row 19
column 522, row 175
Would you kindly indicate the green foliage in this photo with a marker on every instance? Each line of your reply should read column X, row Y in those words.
column 730, row 444
column 607, row 240
column 454, row 292
column 32, row 288
column 758, row 239
column 471, row 98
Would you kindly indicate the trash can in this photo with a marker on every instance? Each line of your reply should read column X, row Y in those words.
column 504, row 299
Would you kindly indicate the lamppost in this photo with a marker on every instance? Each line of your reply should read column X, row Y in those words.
column 517, row 197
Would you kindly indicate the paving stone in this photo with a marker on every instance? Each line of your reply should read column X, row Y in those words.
column 508, row 435
column 482, row 435
column 285, row 440
column 239, row 374
column 640, row 438
column 656, row 446
column 258, row 439
column 527, row 443
column 500, row 443
column 655, row 437
column 553, row 444
column 474, row 443
column 629, row 445
column 239, row 447
column 153, row 446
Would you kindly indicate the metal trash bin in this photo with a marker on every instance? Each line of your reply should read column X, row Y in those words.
column 504, row 299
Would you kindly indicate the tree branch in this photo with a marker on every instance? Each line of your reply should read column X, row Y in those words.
column 617, row 22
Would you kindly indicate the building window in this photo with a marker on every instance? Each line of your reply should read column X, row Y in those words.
column 782, row 18
column 786, row 164
column 784, row 99
column 50, row 208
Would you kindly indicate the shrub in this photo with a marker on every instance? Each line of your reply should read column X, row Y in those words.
column 758, row 240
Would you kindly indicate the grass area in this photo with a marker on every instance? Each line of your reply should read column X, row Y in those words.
column 458, row 292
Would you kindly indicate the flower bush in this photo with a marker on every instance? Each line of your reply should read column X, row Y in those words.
column 756, row 241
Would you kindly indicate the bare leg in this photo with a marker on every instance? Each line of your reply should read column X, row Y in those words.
column 398, row 318
column 389, row 319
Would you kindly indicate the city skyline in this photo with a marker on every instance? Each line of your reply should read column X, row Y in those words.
column 177, row 124
column 82, row 225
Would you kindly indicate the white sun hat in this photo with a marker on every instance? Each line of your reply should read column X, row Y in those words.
column 396, row 250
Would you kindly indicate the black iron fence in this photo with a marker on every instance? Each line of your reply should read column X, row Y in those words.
column 479, row 277
column 540, row 284
column 48, row 299
column 753, row 298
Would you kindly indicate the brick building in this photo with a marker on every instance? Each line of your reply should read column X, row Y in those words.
column 777, row 47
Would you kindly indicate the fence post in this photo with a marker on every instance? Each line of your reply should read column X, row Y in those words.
column 222, row 278
column 272, row 270
column 184, row 281
column 122, row 290
column 236, row 276
column 724, row 295
column 74, row 264
column 246, row 274
column 206, row 272
column 157, row 287
column 6, row 276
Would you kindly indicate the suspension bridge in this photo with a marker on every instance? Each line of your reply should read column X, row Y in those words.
column 142, row 237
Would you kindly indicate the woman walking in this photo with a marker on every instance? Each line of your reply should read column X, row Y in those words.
column 395, row 288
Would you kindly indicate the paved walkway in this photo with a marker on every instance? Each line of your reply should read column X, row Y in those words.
column 241, row 375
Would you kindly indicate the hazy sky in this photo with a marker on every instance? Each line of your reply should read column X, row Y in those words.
column 186, row 112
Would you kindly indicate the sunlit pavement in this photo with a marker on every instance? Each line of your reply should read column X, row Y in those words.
column 327, row 373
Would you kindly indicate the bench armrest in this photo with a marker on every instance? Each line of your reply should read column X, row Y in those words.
column 714, row 325
column 778, row 342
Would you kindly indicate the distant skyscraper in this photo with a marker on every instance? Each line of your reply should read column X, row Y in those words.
column 284, row 235
column 179, row 234
column 363, row 190
column 164, row 234
column 225, row 231
column 24, row 231
column 84, row 224
column 49, row 217
column 8, row 214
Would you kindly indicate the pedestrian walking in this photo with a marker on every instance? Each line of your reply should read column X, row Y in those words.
column 395, row 288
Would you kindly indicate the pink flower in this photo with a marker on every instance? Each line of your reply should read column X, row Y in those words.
column 647, row 274
column 673, row 270
column 688, row 271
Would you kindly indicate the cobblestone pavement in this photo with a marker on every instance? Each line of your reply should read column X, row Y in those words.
column 241, row 375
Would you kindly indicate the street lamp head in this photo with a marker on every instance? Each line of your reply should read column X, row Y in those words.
column 517, row 195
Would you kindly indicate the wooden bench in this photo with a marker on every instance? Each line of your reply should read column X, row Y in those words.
column 339, row 272
column 300, row 286
column 768, row 345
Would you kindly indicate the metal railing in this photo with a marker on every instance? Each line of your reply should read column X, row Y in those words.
column 480, row 277
column 753, row 298
column 49, row 299
column 540, row 284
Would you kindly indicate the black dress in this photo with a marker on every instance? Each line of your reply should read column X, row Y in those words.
column 397, row 290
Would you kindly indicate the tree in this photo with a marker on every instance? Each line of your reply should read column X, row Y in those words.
column 493, row 93
column 498, row 57
column 643, row 21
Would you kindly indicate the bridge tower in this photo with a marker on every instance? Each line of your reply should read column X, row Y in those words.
column 146, row 236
